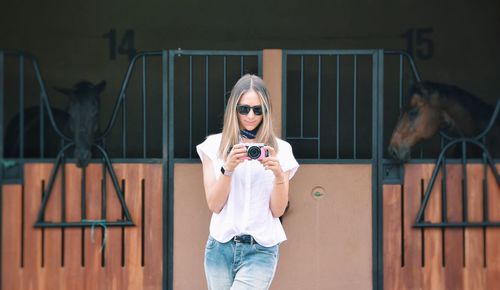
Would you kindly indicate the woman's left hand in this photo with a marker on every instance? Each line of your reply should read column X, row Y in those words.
column 272, row 163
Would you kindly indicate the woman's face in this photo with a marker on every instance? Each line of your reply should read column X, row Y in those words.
column 250, row 121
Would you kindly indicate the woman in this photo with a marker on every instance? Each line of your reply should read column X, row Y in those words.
column 246, row 195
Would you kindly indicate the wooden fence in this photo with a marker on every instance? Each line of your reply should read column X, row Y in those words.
column 72, row 258
column 434, row 258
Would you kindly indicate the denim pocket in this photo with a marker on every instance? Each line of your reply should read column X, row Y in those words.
column 273, row 250
column 211, row 242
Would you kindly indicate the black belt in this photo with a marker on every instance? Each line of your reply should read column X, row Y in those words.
column 245, row 239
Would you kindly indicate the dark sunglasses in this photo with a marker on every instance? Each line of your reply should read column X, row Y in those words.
column 245, row 109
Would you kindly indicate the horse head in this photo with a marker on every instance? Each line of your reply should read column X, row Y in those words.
column 83, row 110
column 420, row 120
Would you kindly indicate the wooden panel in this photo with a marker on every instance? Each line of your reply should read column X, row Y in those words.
column 454, row 237
column 33, row 274
column 113, row 275
column 393, row 233
column 11, row 236
column 474, row 272
column 51, row 276
column 493, row 234
column 153, row 232
column 411, row 272
column 93, row 251
column 456, row 271
column 432, row 272
column 53, row 257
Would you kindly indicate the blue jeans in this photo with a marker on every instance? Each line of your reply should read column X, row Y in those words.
column 239, row 266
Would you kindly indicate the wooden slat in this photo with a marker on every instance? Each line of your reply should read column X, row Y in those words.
column 51, row 271
column 113, row 270
column 474, row 276
column 493, row 234
column 93, row 254
column 453, row 237
column 11, row 236
column 133, row 270
column 153, row 236
column 433, row 277
column 32, row 274
column 392, row 236
column 412, row 272
column 73, row 259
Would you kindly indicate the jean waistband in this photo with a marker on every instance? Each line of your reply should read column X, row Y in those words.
column 245, row 239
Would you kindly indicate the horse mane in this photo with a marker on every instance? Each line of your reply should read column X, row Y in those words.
column 479, row 109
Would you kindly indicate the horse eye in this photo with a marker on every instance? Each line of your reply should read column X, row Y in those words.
column 413, row 113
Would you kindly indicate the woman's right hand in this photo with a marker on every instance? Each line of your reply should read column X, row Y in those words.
column 235, row 157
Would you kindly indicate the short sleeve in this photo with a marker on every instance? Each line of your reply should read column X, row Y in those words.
column 209, row 147
column 287, row 160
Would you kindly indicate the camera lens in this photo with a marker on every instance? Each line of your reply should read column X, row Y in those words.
column 253, row 152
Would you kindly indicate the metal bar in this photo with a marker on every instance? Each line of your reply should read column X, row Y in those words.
column 377, row 165
column 2, row 93
column 259, row 63
column 168, row 62
column 457, row 225
column 21, row 108
column 206, row 101
column 464, row 189
column 401, row 80
column 337, row 107
column 144, row 107
column 301, row 96
column 331, row 52
column 241, row 66
column 224, row 73
column 284, row 96
column 319, row 107
column 48, row 224
column 124, row 126
column 2, row 105
column 354, row 104
column 191, row 103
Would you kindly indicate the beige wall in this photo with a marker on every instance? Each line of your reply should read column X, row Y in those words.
column 329, row 242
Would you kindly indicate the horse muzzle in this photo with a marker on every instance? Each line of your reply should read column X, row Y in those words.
column 399, row 153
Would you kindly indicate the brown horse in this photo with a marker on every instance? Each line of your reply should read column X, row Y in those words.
column 433, row 107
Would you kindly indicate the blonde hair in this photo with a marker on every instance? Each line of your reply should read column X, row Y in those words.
column 231, row 129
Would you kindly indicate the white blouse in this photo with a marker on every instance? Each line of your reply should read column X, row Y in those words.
column 247, row 208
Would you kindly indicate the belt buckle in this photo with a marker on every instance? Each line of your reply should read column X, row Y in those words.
column 245, row 239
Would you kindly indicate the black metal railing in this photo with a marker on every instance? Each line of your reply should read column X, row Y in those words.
column 476, row 141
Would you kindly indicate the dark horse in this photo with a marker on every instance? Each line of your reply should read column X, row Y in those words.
column 80, row 122
column 433, row 107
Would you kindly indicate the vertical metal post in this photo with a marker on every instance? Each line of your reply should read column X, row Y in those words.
column 377, row 174
column 2, row 87
column 167, row 100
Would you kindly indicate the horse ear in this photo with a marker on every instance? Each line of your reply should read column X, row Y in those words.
column 100, row 87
